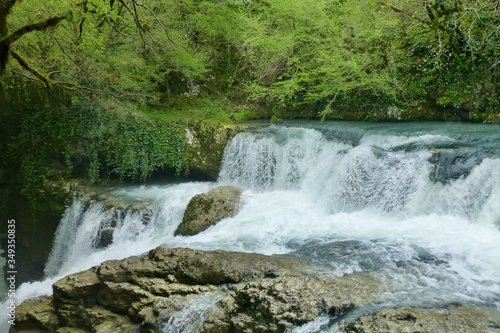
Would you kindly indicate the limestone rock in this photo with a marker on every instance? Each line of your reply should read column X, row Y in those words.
column 409, row 320
column 77, row 286
column 36, row 315
column 105, row 237
column 196, row 267
column 272, row 305
column 247, row 292
column 205, row 146
column 100, row 320
column 70, row 330
column 119, row 296
column 206, row 209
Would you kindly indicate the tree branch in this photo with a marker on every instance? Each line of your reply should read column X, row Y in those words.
column 7, row 41
column 40, row 26
column 42, row 77
column 399, row 10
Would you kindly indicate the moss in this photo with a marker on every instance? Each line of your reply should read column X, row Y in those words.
column 205, row 146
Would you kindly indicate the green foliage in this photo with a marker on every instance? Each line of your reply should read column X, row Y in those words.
column 307, row 57
column 125, row 75
column 448, row 53
column 96, row 143
column 125, row 51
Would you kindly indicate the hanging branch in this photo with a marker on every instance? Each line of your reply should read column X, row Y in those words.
column 161, row 25
column 7, row 41
column 137, row 22
column 42, row 77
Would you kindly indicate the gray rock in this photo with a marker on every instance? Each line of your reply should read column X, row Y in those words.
column 196, row 267
column 105, row 237
column 249, row 292
column 70, row 330
column 205, row 146
column 272, row 305
column 409, row 320
column 78, row 286
column 206, row 209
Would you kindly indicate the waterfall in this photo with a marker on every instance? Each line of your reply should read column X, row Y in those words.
column 395, row 174
column 78, row 242
column 73, row 242
column 417, row 205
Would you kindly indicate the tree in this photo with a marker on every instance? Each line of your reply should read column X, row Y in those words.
column 451, row 52
column 118, row 50
column 7, row 38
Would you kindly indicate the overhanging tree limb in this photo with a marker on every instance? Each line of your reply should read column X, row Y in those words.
column 42, row 77
column 7, row 41
column 40, row 26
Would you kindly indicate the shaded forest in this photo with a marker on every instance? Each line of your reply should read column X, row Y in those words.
column 323, row 56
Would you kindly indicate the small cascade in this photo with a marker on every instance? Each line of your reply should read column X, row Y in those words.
column 111, row 227
column 75, row 235
column 279, row 159
column 191, row 317
column 318, row 325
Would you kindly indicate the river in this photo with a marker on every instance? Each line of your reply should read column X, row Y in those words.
column 416, row 204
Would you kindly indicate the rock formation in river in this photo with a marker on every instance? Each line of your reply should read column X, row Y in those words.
column 249, row 292
column 206, row 209
column 460, row 319
column 185, row 290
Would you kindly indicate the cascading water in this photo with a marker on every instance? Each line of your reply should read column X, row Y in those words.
column 415, row 204
column 191, row 317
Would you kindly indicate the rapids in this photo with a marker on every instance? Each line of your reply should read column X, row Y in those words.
column 416, row 204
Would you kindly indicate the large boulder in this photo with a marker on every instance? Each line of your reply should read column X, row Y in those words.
column 217, row 291
column 206, row 209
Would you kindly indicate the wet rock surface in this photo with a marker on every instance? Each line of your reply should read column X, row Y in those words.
column 206, row 209
column 249, row 292
column 205, row 146
column 461, row 319
column 186, row 290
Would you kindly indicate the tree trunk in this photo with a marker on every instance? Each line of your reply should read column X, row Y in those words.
column 5, row 7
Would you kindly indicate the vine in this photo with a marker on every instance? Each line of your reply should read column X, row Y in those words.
column 96, row 143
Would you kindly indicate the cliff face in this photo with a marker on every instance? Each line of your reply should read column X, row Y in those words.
column 232, row 292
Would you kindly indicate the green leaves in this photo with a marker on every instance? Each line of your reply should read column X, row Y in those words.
column 308, row 54
column 45, row 139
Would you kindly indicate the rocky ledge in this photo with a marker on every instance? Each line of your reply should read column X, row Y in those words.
column 455, row 319
column 225, row 291
column 185, row 290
